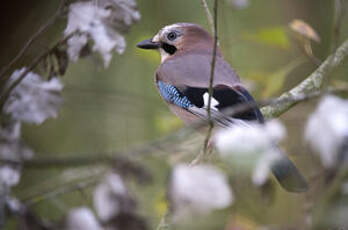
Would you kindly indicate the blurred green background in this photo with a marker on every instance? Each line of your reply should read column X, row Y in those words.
column 109, row 110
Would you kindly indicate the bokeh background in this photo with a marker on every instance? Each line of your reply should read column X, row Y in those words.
column 111, row 110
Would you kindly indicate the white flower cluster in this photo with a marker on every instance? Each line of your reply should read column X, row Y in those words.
column 33, row 100
column 101, row 21
column 203, row 188
column 198, row 190
column 251, row 139
column 9, row 176
column 110, row 198
column 327, row 130
column 252, row 147
column 11, row 149
column 82, row 218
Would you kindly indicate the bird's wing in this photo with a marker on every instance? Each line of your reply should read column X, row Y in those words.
column 184, row 82
column 195, row 100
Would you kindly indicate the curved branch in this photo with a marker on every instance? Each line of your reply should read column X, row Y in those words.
column 311, row 84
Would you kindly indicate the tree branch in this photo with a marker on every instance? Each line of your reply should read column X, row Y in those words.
column 311, row 84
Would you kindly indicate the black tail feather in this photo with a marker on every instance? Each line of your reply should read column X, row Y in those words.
column 288, row 175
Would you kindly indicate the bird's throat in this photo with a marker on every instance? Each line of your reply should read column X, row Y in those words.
column 164, row 55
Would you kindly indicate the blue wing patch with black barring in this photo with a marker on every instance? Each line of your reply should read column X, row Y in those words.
column 226, row 97
column 171, row 94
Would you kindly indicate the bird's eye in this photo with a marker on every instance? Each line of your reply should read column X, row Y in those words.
column 171, row 36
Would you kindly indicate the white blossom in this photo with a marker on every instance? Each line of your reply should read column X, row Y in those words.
column 75, row 45
column 82, row 218
column 110, row 196
column 15, row 150
column 33, row 100
column 251, row 148
column 11, row 147
column 198, row 190
column 103, row 22
column 9, row 176
column 14, row 205
column 262, row 169
column 125, row 12
column 327, row 129
column 249, row 141
column 12, row 150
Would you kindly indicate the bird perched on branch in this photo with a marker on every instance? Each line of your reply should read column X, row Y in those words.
column 183, row 81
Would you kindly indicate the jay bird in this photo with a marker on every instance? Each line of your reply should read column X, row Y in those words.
column 183, row 82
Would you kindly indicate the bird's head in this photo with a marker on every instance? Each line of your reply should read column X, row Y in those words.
column 179, row 38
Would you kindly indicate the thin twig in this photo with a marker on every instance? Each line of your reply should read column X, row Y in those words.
column 121, row 163
column 209, row 16
column 42, row 29
column 63, row 162
column 339, row 13
column 211, row 80
column 62, row 189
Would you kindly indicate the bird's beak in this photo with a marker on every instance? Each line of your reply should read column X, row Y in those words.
column 148, row 44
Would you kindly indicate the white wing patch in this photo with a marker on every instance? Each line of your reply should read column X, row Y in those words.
column 213, row 102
